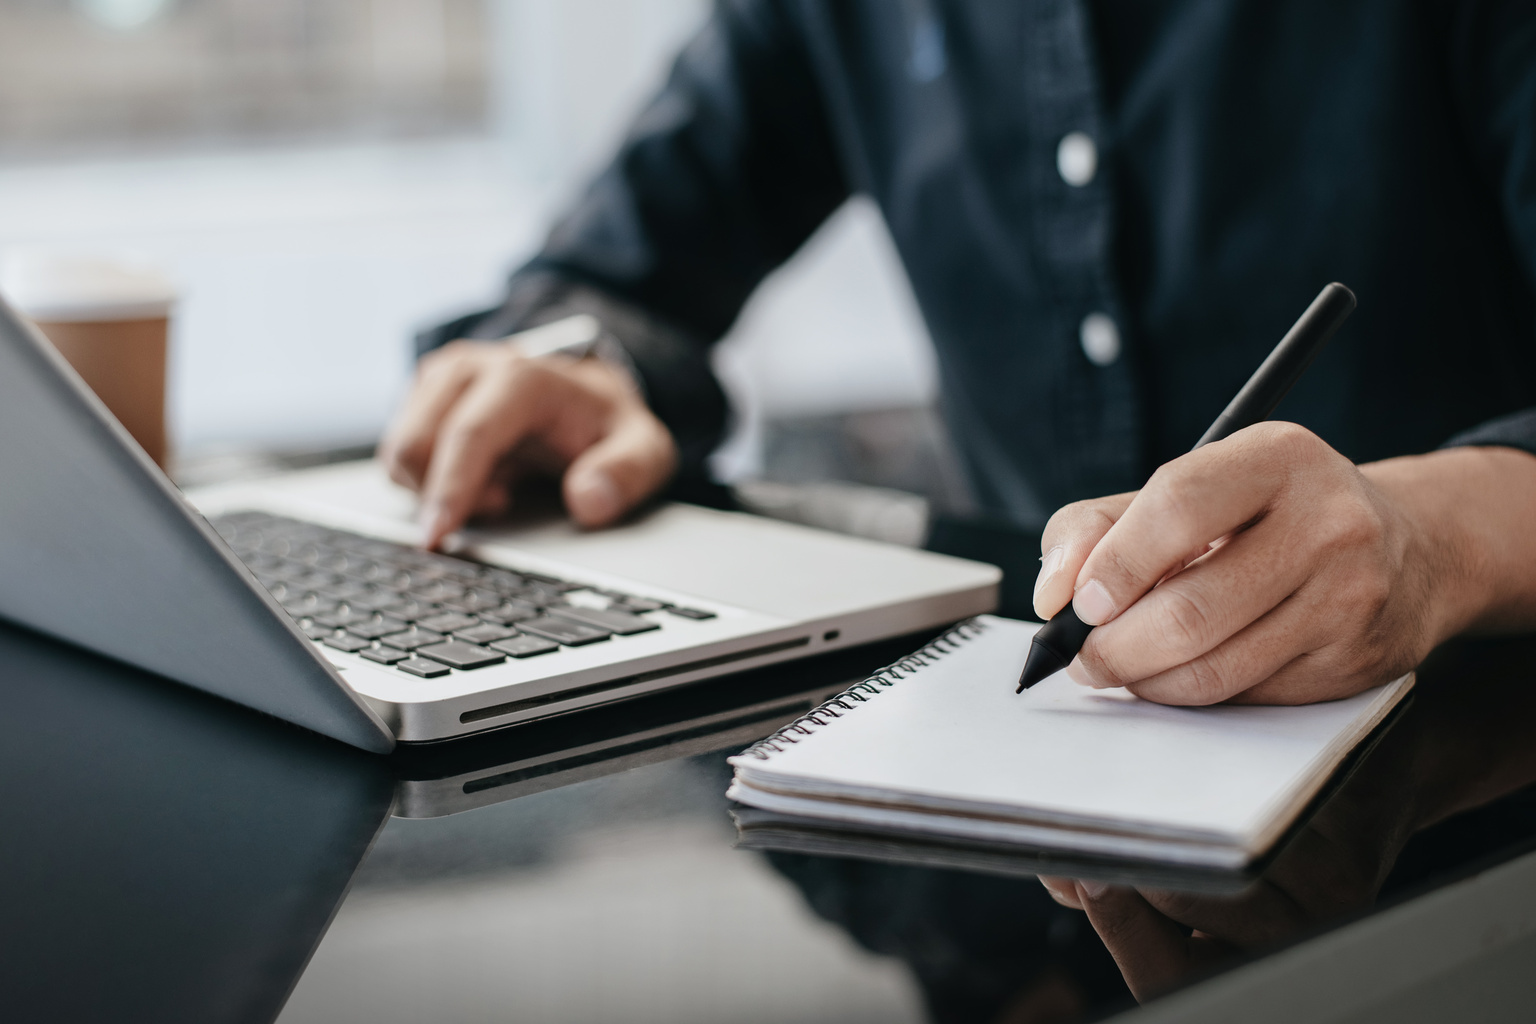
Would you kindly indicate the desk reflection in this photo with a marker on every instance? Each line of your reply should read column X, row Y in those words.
column 1444, row 789
column 166, row 856
column 171, row 857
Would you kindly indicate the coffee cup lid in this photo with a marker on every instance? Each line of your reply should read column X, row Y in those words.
column 53, row 287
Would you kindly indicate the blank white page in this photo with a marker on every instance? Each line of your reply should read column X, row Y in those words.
column 953, row 736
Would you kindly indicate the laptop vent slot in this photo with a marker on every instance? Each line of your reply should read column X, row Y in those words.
column 774, row 714
column 565, row 696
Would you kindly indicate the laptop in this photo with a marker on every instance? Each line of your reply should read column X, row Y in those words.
column 302, row 596
column 728, row 713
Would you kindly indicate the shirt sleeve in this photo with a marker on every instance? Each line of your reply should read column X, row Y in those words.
column 1495, row 62
column 722, row 177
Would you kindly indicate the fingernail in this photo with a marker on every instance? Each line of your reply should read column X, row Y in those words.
column 1083, row 676
column 433, row 519
column 1056, row 887
column 1050, row 565
column 1092, row 888
column 1093, row 603
column 596, row 495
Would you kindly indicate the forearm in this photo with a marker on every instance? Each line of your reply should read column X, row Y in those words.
column 1471, row 512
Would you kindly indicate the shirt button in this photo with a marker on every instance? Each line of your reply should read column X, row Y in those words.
column 1077, row 159
column 1100, row 339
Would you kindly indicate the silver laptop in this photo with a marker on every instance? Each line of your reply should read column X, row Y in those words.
column 302, row 596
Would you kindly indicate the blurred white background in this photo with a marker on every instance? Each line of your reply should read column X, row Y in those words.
column 325, row 177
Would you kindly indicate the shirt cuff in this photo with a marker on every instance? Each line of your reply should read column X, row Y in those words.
column 1517, row 430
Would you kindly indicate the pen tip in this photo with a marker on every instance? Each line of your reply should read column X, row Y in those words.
column 1042, row 662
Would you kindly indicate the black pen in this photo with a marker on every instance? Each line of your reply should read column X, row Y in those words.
column 1059, row 640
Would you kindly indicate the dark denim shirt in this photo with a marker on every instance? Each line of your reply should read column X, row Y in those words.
column 1248, row 152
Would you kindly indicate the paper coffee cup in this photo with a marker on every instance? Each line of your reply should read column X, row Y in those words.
column 110, row 318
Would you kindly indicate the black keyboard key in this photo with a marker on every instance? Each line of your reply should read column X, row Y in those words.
column 375, row 599
column 461, row 655
column 346, row 642
column 307, row 604
column 690, row 613
column 484, row 633
column 315, row 631
column 504, row 580
column 410, row 639
column 538, row 577
column 384, row 655
column 306, row 579
column 564, row 631
column 343, row 591
column 394, row 579
column 437, row 590
column 341, row 617
column 306, row 553
column 412, row 610
column 637, row 604
column 370, row 571
column 421, row 575
column 525, row 646
column 508, row 614
column 447, row 622
column 375, row 627
column 473, row 601
column 540, row 595
column 422, row 667
column 335, row 561
column 620, row 622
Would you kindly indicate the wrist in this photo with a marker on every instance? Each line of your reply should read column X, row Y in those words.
column 1466, row 550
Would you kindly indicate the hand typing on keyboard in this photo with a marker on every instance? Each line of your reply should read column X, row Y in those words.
column 481, row 414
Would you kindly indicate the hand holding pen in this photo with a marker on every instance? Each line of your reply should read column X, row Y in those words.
column 1266, row 567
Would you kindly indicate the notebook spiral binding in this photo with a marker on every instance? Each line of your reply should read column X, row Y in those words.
column 858, row 693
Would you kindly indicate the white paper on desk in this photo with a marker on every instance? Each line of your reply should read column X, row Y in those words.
column 953, row 739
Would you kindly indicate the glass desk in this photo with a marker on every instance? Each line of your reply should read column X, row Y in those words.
column 169, row 857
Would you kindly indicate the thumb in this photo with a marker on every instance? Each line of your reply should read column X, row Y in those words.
column 620, row 471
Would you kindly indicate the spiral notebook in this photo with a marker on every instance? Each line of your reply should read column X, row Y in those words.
column 940, row 744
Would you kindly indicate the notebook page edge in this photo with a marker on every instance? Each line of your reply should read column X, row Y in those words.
column 1271, row 821
column 841, row 794
column 1148, row 848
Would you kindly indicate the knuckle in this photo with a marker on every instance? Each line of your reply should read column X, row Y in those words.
column 1293, row 437
column 1207, row 684
column 469, row 434
column 405, row 454
column 398, row 472
column 454, row 352
column 1121, row 569
column 1370, row 653
column 1103, row 663
column 1372, row 591
column 1080, row 518
column 1295, row 447
column 1184, row 624
column 1355, row 524
column 1173, row 497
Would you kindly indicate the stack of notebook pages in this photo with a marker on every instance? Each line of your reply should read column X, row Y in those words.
column 939, row 745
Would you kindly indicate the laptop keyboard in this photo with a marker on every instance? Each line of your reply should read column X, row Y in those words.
column 423, row 613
